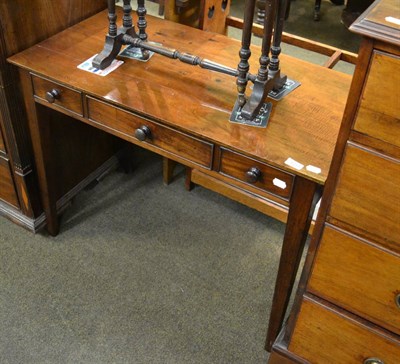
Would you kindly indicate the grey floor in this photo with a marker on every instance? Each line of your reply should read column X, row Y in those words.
column 142, row 273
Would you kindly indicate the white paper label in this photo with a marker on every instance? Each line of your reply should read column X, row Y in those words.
column 279, row 183
column 393, row 20
column 292, row 163
column 87, row 66
column 313, row 169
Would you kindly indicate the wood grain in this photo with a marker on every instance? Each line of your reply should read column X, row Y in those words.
column 303, row 126
column 235, row 165
column 124, row 124
column 304, row 198
column 375, row 25
column 213, row 15
column 243, row 196
column 322, row 335
column 2, row 146
column 33, row 21
column 379, row 112
column 367, row 195
column 190, row 15
column 359, row 277
column 7, row 190
column 69, row 99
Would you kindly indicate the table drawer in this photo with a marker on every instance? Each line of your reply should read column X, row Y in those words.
column 255, row 173
column 368, row 194
column 379, row 111
column 7, row 190
column 323, row 335
column 160, row 139
column 359, row 277
column 57, row 95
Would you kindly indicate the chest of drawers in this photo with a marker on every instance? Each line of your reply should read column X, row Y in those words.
column 347, row 307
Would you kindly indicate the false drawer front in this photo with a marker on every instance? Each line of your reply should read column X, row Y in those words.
column 323, row 335
column 149, row 134
column 57, row 95
column 359, row 277
column 368, row 194
column 7, row 190
column 255, row 173
column 379, row 111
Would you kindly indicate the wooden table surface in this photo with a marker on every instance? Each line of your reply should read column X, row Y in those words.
column 303, row 126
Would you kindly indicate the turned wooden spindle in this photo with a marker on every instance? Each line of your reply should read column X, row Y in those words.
column 260, row 6
column 245, row 53
column 270, row 9
column 142, row 23
column 127, row 18
column 276, row 45
column 112, row 19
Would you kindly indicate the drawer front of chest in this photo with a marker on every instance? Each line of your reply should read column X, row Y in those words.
column 368, row 194
column 255, row 173
column 57, row 95
column 7, row 190
column 323, row 335
column 150, row 134
column 379, row 112
column 359, row 277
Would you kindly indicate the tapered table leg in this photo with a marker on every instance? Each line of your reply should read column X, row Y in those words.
column 39, row 127
column 168, row 170
column 304, row 198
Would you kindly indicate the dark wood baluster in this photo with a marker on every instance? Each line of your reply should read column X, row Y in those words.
column 260, row 11
column 127, row 18
column 113, row 41
column 112, row 19
column 269, row 15
column 276, row 46
column 245, row 52
column 142, row 23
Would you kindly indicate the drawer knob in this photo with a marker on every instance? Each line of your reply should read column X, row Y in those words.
column 373, row 361
column 397, row 300
column 143, row 133
column 53, row 95
column 253, row 175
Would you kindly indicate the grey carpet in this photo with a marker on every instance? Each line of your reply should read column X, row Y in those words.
column 140, row 273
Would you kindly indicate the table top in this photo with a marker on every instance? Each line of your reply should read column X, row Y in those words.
column 303, row 126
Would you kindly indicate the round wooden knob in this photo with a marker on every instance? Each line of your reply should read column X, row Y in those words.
column 53, row 95
column 143, row 133
column 373, row 361
column 253, row 175
column 397, row 300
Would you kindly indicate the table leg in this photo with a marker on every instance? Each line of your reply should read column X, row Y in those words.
column 39, row 127
column 168, row 170
column 189, row 185
column 304, row 198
